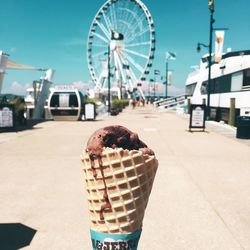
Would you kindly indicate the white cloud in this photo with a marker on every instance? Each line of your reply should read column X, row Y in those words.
column 160, row 89
column 75, row 42
column 83, row 86
column 176, row 91
column 17, row 88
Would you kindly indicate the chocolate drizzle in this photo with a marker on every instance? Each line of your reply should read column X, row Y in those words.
column 107, row 204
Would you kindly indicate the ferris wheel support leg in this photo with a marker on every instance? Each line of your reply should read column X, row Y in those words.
column 141, row 92
column 119, row 94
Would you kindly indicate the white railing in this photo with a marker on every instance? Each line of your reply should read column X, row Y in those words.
column 171, row 102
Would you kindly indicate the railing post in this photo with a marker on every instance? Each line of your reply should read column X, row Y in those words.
column 232, row 112
column 189, row 106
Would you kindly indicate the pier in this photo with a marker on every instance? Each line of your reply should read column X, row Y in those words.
column 200, row 197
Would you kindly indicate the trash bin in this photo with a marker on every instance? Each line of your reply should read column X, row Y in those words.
column 243, row 127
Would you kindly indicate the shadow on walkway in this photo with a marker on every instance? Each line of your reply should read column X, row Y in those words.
column 15, row 236
column 30, row 124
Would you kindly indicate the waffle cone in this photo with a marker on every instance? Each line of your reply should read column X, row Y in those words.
column 129, row 177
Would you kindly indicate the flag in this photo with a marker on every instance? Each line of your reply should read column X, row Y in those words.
column 211, row 5
column 125, row 66
column 170, row 55
column 157, row 72
column 116, row 36
column 219, row 41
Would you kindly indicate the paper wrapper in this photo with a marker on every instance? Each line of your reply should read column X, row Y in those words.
column 129, row 177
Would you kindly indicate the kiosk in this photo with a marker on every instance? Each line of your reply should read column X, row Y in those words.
column 65, row 103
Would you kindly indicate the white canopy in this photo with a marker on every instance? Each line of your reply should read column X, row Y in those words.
column 14, row 65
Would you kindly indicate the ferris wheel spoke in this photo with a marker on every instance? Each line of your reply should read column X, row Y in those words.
column 132, row 75
column 137, row 44
column 100, row 37
column 135, row 64
column 115, row 18
column 136, row 53
column 125, row 26
column 99, row 45
column 99, row 54
column 112, row 16
column 104, row 30
column 107, row 22
column 135, row 35
column 133, row 78
column 127, row 78
column 143, row 31
column 139, row 22
column 126, row 11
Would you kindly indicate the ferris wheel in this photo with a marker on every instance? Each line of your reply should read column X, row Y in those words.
column 121, row 45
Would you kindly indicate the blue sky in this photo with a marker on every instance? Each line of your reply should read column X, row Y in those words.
column 53, row 34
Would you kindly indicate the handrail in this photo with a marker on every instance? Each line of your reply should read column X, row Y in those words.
column 171, row 102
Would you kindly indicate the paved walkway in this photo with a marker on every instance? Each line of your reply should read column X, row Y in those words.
column 200, row 198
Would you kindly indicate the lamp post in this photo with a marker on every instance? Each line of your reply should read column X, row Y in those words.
column 154, row 86
column 211, row 29
column 169, row 56
column 109, row 102
column 156, row 72
column 150, row 81
column 166, row 89
column 211, row 8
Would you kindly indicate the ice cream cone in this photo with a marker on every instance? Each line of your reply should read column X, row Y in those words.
column 128, row 177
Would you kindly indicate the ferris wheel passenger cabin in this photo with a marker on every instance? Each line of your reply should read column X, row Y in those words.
column 65, row 103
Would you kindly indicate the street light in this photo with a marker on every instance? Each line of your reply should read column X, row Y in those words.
column 156, row 72
column 169, row 56
column 150, row 81
column 109, row 102
column 211, row 8
column 198, row 49
column 109, row 95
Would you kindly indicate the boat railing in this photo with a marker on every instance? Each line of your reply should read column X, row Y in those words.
column 171, row 102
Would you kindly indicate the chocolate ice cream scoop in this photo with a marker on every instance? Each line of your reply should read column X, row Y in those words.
column 115, row 137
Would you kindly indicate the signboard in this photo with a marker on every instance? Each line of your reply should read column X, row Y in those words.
column 197, row 116
column 6, row 116
column 89, row 111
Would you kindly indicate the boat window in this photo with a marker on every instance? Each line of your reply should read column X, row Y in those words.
column 220, row 84
column 246, row 79
column 204, row 88
column 236, row 81
column 190, row 88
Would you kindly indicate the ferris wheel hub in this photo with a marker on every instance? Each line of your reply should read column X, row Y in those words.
column 117, row 36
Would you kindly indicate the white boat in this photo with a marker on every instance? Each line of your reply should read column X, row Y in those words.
column 230, row 81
